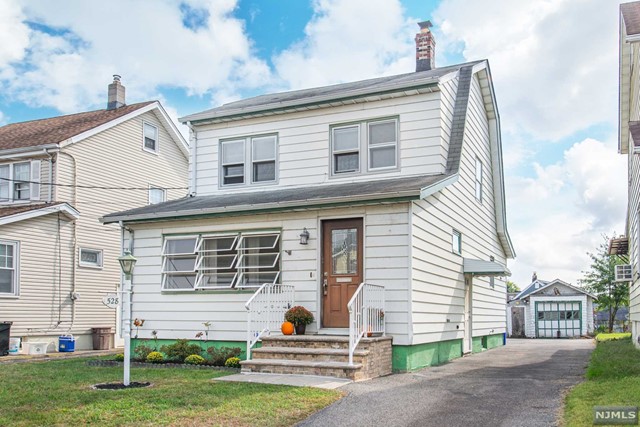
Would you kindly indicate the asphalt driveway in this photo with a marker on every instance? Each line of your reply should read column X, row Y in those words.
column 518, row 385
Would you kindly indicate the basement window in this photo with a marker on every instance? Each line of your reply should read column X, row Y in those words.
column 90, row 258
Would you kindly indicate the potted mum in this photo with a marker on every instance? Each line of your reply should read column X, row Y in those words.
column 300, row 317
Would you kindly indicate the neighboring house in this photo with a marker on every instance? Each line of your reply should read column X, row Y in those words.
column 394, row 181
column 629, row 144
column 57, row 177
column 550, row 309
column 620, row 321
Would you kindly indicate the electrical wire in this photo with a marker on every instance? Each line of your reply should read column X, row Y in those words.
column 93, row 187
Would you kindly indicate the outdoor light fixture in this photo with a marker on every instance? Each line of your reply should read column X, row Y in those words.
column 304, row 236
column 127, row 262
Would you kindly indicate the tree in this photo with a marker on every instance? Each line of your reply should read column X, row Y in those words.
column 512, row 287
column 600, row 281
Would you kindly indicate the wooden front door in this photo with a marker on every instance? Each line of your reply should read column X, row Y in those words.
column 341, row 269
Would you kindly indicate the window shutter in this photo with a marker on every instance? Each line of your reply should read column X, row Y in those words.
column 35, row 178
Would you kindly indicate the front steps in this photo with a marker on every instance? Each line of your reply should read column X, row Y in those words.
column 323, row 355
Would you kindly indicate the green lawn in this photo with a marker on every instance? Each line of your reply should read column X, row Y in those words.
column 613, row 378
column 58, row 393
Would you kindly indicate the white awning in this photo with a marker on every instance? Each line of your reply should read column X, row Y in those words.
column 478, row 267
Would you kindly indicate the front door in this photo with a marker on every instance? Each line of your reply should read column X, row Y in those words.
column 341, row 269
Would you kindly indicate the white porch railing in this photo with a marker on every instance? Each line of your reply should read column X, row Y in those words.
column 265, row 311
column 366, row 314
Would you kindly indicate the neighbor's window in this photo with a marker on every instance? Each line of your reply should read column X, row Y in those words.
column 249, row 160
column 478, row 180
column 221, row 261
column 380, row 137
column 90, row 258
column 5, row 183
column 150, row 142
column 456, row 242
column 8, row 268
column 21, row 178
column 20, row 181
column 157, row 195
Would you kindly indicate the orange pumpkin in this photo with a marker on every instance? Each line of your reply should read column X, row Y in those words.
column 287, row 328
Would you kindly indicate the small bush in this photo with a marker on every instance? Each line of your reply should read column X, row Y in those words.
column 218, row 356
column 142, row 351
column 613, row 336
column 180, row 350
column 232, row 362
column 155, row 357
column 194, row 359
column 119, row 357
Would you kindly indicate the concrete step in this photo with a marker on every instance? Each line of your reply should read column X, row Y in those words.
column 318, row 341
column 303, row 367
column 306, row 353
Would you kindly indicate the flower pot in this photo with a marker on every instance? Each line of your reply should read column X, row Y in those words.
column 301, row 329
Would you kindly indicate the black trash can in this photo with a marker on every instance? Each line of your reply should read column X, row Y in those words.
column 5, row 333
column 102, row 338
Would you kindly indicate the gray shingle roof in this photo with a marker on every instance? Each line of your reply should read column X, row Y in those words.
column 325, row 93
column 631, row 16
column 287, row 198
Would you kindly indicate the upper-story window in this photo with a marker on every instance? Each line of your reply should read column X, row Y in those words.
column 379, row 139
column 20, row 181
column 157, row 195
column 150, row 138
column 478, row 179
column 249, row 160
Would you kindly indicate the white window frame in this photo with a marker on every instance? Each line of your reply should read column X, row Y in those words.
column 478, row 179
column 15, row 269
column 157, row 140
column 248, row 178
column 33, row 182
column 456, row 250
column 364, row 148
column 234, row 269
column 97, row 266
column 153, row 188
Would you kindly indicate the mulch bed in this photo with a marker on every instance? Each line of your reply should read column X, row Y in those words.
column 160, row 365
column 119, row 386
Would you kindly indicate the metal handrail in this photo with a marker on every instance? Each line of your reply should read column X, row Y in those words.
column 265, row 311
column 366, row 314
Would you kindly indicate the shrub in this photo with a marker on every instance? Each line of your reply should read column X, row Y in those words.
column 142, row 351
column 232, row 362
column 298, row 315
column 180, row 350
column 218, row 356
column 194, row 359
column 119, row 357
column 155, row 357
column 613, row 336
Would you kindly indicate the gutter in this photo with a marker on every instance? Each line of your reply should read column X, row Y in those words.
column 26, row 151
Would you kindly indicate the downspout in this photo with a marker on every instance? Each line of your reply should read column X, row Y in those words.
column 193, row 148
column 49, row 193
column 73, row 295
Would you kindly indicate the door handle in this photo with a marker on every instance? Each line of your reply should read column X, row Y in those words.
column 325, row 285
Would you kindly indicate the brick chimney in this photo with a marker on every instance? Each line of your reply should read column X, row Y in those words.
column 425, row 48
column 116, row 94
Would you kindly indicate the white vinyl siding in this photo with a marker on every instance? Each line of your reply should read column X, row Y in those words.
column 478, row 180
column 90, row 258
column 305, row 143
column 150, row 137
column 9, row 277
column 249, row 160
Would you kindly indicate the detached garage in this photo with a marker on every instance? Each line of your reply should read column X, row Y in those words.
column 550, row 309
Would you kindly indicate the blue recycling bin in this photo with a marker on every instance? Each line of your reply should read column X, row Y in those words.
column 66, row 344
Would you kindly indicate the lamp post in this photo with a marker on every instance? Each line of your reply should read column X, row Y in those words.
column 127, row 262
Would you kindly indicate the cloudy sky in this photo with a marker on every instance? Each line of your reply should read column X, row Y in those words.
column 554, row 64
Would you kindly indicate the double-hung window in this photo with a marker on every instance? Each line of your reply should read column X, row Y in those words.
column 221, row 261
column 8, row 268
column 150, row 137
column 456, row 242
column 248, row 160
column 478, row 180
column 20, row 181
column 380, row 139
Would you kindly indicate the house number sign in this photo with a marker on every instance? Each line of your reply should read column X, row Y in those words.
column 111, row 300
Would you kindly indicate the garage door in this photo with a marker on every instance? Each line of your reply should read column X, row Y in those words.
column 558, row 319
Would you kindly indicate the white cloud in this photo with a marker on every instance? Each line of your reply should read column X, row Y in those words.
column 14, row 34
column 554, row 62
column 349, row 41
column 68, row 68
column 562, row 212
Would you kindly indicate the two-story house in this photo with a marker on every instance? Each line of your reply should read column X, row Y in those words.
column 58, row 176
column 629, row 144
column 378, row 204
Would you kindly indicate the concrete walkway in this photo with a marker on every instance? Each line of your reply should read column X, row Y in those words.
column 521, row 384
column 286, row 379
column 22, row 358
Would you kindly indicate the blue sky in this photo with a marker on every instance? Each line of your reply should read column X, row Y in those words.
column 554, row 64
